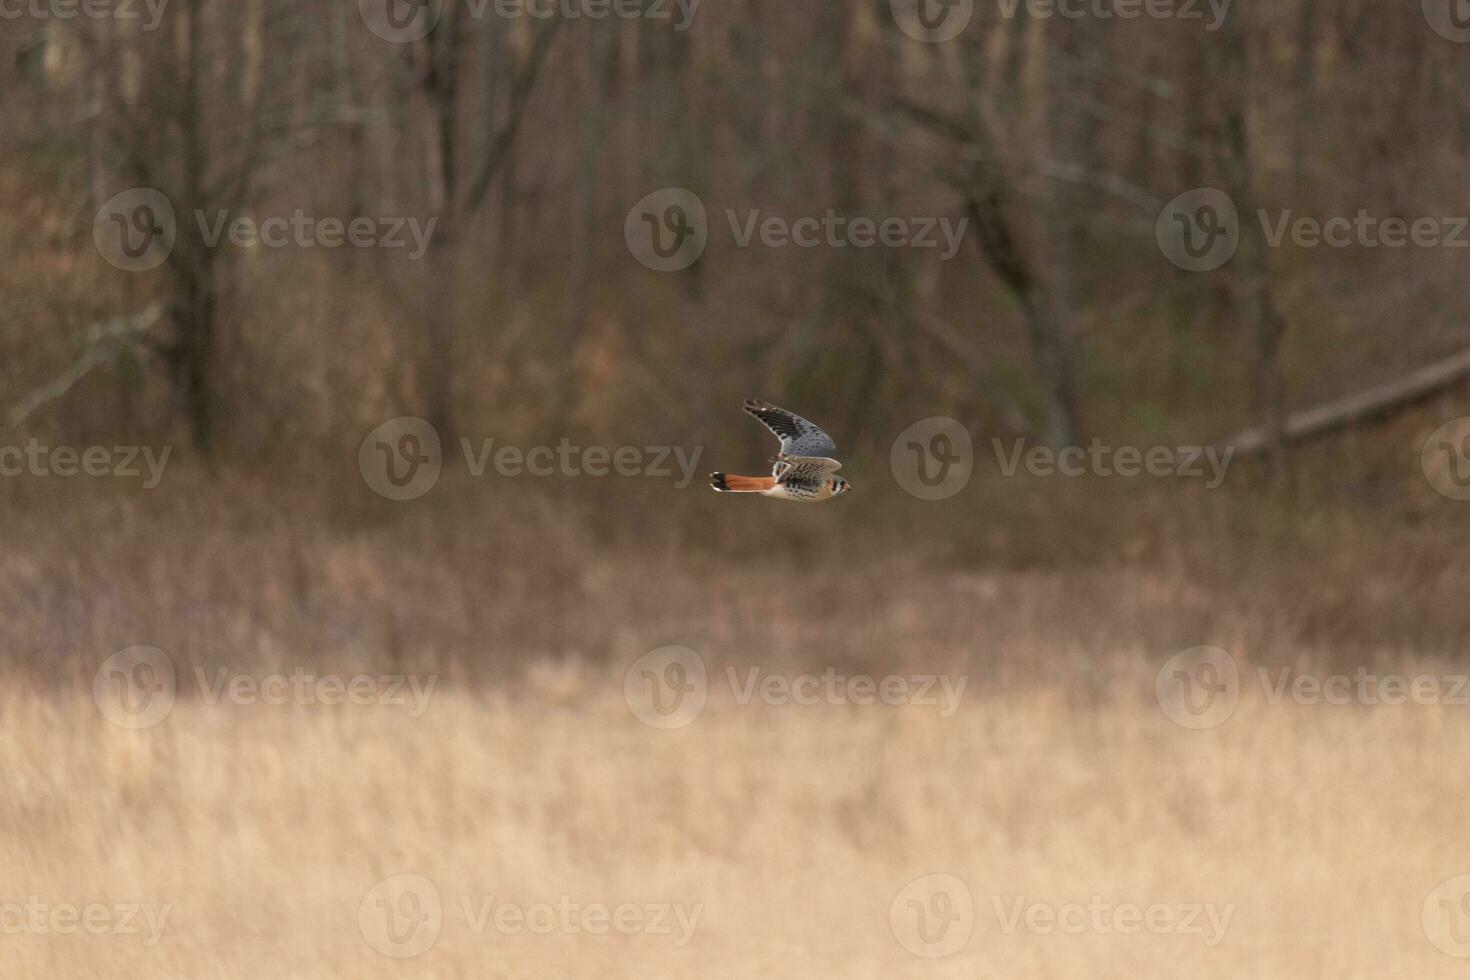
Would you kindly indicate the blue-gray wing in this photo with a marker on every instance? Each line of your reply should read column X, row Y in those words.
column 798, row 436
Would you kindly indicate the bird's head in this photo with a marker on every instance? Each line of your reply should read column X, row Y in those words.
column 840, row 486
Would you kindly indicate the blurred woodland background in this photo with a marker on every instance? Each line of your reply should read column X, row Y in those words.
column 528, row 140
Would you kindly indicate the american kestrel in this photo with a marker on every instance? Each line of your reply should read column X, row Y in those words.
column 804, row 468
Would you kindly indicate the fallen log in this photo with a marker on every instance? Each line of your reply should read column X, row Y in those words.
column 1377, row 402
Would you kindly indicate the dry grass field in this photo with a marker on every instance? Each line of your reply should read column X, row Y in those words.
column 1087, row 832
column 788, row 831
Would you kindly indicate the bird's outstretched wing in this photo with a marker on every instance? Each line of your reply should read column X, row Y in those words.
column 798, row 436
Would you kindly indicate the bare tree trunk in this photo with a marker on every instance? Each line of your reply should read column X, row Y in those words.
column 440, row 78
column 194, row 314
column 1263, row 322
column 1306, row 83
column 1052, row 313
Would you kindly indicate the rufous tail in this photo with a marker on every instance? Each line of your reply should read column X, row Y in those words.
column 741, row 484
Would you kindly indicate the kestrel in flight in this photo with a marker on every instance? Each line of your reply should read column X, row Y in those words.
column 804, row 468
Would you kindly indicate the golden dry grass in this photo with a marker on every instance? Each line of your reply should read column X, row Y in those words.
column 794, row 827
